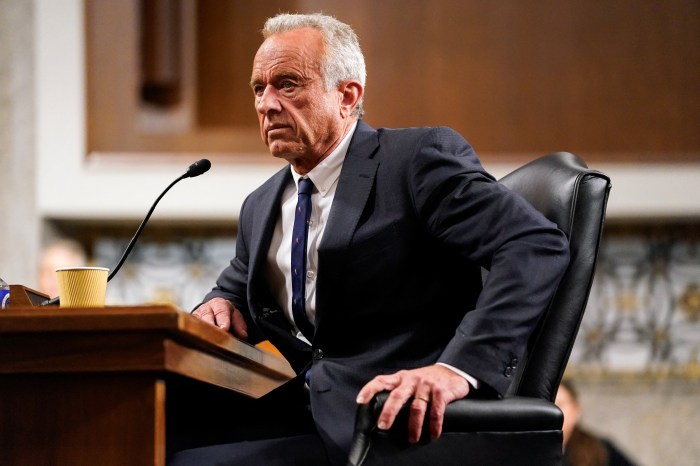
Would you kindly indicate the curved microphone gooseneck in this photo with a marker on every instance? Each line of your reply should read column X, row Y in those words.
column 196, row 169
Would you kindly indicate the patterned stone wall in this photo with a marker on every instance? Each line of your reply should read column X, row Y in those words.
column 643, row 314
column 172, row 272
column 644, row 311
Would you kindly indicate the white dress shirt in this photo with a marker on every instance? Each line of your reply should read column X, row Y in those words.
column 324, row 176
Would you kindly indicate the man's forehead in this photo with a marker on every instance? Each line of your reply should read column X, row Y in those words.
column 287, row 53
column 304, row 41
column 280, row 66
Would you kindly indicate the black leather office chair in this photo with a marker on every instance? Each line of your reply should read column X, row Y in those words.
column 523, row 428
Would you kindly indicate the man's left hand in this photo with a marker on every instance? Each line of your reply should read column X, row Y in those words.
column 433, row 386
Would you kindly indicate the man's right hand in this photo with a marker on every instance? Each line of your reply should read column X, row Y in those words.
column 223, row 314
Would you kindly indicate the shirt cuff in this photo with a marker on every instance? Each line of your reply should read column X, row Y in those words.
column 472, row 381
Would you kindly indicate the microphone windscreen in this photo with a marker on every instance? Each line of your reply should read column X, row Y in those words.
column 198, row 168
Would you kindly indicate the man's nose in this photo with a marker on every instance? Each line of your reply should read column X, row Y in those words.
column 268, row 101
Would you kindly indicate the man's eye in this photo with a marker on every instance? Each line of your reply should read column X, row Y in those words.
column 287, row 85
column 258, row 90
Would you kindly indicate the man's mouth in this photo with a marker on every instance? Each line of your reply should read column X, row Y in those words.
column 273, row 129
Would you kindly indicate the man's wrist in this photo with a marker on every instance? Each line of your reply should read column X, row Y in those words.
column 472, row 381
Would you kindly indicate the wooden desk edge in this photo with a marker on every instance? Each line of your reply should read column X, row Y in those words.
column 178, row 324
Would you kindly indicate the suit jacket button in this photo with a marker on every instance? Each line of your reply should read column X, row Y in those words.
column 317, row 353
column 508, row 372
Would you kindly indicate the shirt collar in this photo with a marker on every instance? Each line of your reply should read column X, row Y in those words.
column 326, row 173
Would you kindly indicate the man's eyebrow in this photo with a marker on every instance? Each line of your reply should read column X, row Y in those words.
column 288, row 74
column 278, row 77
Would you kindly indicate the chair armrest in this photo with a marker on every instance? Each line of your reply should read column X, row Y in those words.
column 513, row 414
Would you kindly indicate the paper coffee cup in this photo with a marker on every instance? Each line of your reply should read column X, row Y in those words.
column 82, row 286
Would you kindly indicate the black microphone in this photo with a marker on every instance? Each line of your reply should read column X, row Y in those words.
column 196, row 169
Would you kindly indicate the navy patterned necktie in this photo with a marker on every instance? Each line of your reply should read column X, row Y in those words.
column 299, row 239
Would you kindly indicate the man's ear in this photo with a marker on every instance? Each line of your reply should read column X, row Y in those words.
column 350, row 94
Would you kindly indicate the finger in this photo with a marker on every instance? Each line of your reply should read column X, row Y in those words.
column 222, row 315
column 205, row 314
column 376, row 385
column 441, row 396
column 437, row 416
column 418, row 408
column 238, row 325
column 397, row 399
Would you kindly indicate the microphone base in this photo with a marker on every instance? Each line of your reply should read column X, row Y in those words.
column 22, row 296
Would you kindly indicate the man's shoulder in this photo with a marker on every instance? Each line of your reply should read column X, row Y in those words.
column 407, row 137
column 421, row 135
column 417, row 131
column 416, row 140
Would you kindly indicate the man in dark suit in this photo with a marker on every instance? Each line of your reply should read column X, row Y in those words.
column 401, row 223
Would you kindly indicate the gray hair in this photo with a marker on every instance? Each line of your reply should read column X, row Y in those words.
column 343, row 61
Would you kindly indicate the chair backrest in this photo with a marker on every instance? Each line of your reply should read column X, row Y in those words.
column 568, row 193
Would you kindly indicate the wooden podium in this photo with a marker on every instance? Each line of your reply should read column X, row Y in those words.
column 89, row 386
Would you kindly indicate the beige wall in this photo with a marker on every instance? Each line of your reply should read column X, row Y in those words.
column 19, row 235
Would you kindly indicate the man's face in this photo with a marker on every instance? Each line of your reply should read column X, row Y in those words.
column 300, row 121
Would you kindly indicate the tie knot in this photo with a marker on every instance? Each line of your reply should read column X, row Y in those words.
column 305, row 186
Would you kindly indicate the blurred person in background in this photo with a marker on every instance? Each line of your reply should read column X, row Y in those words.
column 58, row 253
column 581, row 446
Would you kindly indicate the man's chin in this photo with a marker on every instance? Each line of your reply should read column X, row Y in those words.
column 283, row 151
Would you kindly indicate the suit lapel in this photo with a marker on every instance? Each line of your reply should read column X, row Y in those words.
column 354, row 186
column 266, row 213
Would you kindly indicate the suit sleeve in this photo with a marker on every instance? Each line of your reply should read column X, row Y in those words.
column 484, row 222
column 232, row 283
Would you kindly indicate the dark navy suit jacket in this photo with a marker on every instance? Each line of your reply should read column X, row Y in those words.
column 414, row 219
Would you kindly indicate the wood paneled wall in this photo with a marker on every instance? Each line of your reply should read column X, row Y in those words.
column 608, row 80
column 227, row 38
